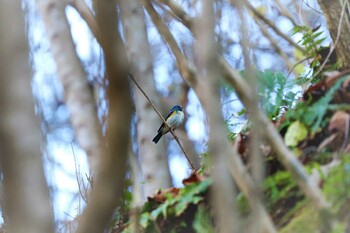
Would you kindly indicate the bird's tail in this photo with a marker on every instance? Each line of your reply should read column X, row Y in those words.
column 157, row 137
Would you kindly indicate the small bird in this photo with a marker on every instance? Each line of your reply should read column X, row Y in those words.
column 174, row 119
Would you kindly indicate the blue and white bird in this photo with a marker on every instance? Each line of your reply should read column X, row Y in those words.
column 174, row 119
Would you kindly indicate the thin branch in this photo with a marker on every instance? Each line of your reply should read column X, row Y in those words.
column 273, row 26
column 295, row 65
column 182, row 61
column 275, row 45
column 179, row 13
column 312, row 8
column 77, row 177
column 161, row 117
column 285, row 12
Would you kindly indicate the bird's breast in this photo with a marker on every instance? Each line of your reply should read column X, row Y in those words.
column 176, row 120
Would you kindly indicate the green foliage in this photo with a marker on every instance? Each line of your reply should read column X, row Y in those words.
column 296, row 132
column 337, row 185
column 279, row 186
column 205, row 162
column 202, row 221
column 191, row 194
column 125, row 204
column 313, row 115
column 242, row 204
column 311, row 41
column 307, row 220
column 275, row 92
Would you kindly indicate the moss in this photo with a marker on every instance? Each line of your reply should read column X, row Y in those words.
column 307, row 220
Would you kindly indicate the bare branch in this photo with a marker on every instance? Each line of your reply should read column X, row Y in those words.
column 275, row 45
column 80, row 182
column 187, row 71
column 273, row 26
column 285, row 12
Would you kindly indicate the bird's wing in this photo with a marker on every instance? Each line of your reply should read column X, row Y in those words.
column 162, row 125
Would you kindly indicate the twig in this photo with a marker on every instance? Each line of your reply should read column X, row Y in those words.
column 285, row 12
column 295, row 65
column 161, row 117
column 312, row 8
column 186, row 70
column 77, row 176
column 179, row 13
column 272, row 26
column 274, row 44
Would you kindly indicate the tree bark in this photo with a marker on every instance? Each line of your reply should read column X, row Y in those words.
column 26, row 196
column 78, row 96
column 109, row 184
column 153, row 157
column 332, row 11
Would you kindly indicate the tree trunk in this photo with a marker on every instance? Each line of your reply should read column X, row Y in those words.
column 153, row 157
column 109, row 184
column 78, row 96
column 26, row 195
column 332, row 11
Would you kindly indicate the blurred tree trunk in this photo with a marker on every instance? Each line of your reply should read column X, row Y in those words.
column 26, row 196
column 153, row 157
column 339, row 28
column 78, row 96
column 223, row 193
column 109, row 185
